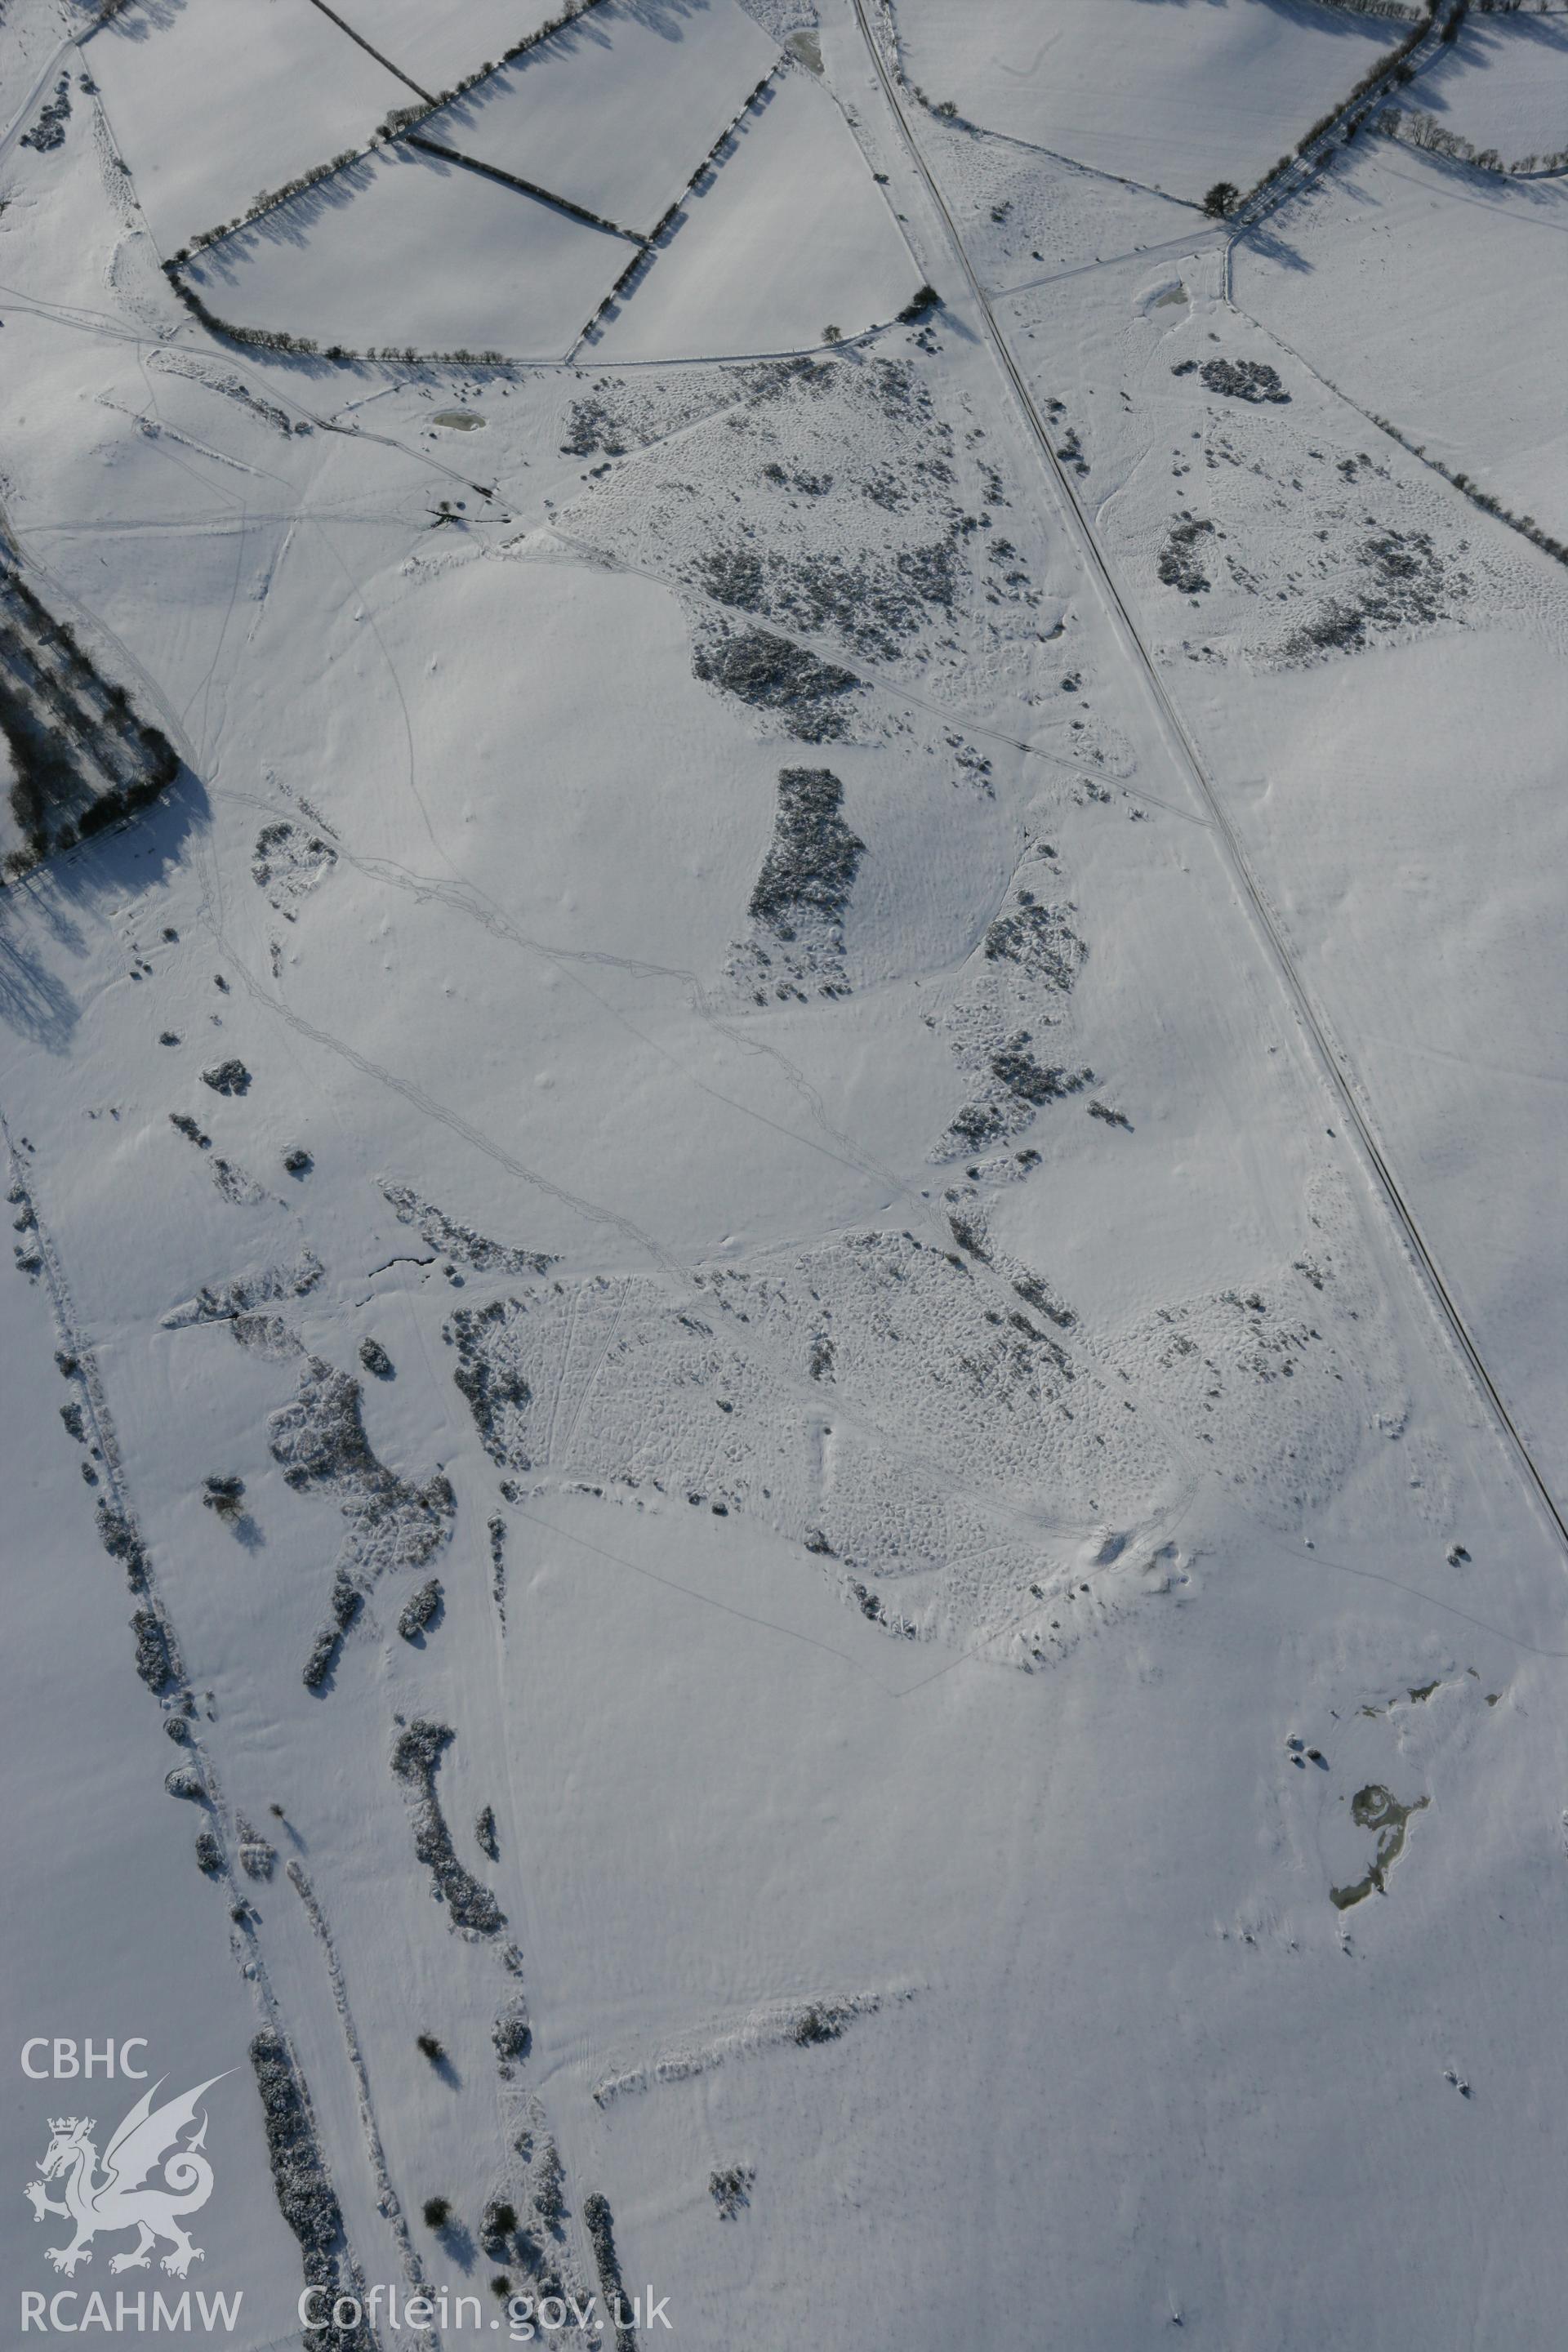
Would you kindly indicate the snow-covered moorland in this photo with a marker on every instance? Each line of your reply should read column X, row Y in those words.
column 781, row 1069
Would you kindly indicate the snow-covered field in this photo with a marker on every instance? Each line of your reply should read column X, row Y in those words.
column 437, row 46
column 1423, row 922
column 616, row 111
column 211, row 106
column 1195, row 93
column 785, row 236
column 1504, row 86
column 365, row 261
column 1390, row 237
column 785, row 1435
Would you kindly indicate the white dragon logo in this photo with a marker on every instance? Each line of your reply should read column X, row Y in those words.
column 146, row 2142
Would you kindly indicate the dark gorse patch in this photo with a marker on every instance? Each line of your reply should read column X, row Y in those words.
column 1030, row 1081
column 289, row 861
column 497, row 1392
column 1407, row 583
column 458, row 1241
column 347, row 1602
column 156, row 1661
column 732, row 2189
column 1181, row 559
column 415, row 1759
column 877, row 603
column 1252, row 379
column 303, row 2187
column 1038, row 938
column 50, row 130
column 320, row 1443
column 511, row 2036
column 420, row 1610
column 811, row 865
column 599, row 2222
column 771, row 674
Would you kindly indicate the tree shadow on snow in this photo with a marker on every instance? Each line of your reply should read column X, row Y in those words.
column 1266, row 244
column 288, row 222
column 134, row 23
column 39, row 912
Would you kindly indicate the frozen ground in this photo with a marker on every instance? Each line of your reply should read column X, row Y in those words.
column 785, row 1347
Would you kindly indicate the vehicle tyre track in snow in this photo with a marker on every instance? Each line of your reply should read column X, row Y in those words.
column 499, row 924
column 1343, row 1084
column 1029, row 1609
